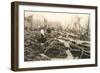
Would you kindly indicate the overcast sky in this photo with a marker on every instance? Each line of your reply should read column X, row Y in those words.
column 64, row 18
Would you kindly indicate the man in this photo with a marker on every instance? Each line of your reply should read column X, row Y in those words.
column 42, row 38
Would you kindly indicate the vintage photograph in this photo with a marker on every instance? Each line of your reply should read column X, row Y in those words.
column 52, row 36
column 56, row 35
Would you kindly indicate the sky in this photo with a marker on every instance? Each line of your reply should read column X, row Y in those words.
column 64, row 18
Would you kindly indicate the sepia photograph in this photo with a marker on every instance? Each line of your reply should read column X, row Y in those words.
column 54, row 36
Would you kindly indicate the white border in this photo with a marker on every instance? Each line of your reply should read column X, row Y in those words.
column 33, row 64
